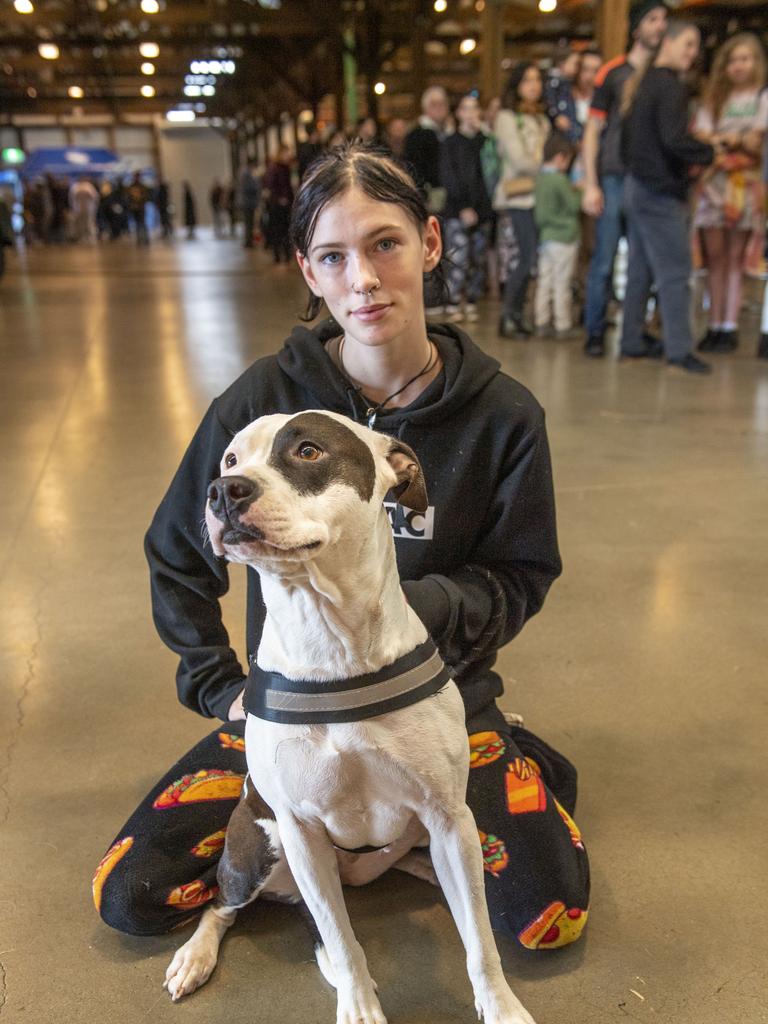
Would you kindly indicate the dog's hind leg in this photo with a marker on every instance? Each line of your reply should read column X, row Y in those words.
column 419, row 864
column 245, row 867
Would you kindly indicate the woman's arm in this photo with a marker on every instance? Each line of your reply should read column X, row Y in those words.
column 673, row 126
column 188, row 580
column 481, row 606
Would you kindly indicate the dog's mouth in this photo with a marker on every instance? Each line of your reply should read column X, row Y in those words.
column 236, row 533
column 239, row 534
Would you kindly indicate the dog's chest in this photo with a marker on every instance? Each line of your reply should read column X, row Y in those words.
column 358, row 790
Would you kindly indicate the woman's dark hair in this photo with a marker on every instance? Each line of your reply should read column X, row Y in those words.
column 511, row 98
column 357, row 165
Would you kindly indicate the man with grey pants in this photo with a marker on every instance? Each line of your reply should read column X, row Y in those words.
column 660, row 253
column 659, row 152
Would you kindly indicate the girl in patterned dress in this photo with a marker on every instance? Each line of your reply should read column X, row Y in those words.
column 730, row 209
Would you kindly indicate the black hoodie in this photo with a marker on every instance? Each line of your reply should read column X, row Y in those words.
column 476, row 566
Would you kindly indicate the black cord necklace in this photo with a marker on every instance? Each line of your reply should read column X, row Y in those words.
column 373, row 410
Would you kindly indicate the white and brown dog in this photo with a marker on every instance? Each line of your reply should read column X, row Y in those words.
column 356, row 735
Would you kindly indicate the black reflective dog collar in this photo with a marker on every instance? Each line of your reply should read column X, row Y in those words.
column 273, row 697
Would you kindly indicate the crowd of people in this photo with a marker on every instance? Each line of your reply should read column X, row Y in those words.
column 82, row 209
column 542, row 184
column 539, row 185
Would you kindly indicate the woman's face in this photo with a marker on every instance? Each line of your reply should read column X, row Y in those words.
column 468, row 113
column 530, row 88
column 680, row 53
column 740, row 68
column 590, row 65
column 361, row 244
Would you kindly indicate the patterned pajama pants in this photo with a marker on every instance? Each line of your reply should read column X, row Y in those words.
column 466, row 252
column 161, row 869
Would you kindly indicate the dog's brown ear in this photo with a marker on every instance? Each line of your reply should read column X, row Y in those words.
column 410, row 490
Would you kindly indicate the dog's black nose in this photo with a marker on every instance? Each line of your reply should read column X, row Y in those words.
column 232, row 492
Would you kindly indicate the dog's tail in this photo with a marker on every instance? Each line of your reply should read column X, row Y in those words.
column 321, row 956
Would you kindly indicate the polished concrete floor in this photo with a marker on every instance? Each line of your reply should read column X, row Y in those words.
column 647, row 665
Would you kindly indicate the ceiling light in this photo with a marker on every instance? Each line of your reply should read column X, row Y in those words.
column 380, row 88
column 24, row 6
column 228, row 67
column 32, row 92
column 150, row 6
column 209, row 90
column 192, row 90
column 75, row 92
column 466, row 46
column 180, row 115
column 149, row 50
column 547, row 6
column 441, row 5
column 48, row 51
column 147, row 68
column 148, row 91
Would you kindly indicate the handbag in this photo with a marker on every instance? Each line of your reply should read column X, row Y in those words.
column 521, row 186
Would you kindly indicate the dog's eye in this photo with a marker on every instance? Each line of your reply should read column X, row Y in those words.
column 309, row 452
column 230, row 460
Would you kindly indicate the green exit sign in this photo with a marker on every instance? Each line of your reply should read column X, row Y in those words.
column 12, row 155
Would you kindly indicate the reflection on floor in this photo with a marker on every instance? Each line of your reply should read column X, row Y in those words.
column 647, row 665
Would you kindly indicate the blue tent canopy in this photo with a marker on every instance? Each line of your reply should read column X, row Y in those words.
column 71, row 160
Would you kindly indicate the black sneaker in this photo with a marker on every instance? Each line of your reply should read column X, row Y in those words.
column 513, row 327
column 726, row 341
column 709, row 341
column 653, row 348
column 690, row 364
column 762, row 347
column 594, row 346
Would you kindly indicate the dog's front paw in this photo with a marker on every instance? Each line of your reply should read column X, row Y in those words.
column 190, row 968
column 359, row 1006
column 502, row 1007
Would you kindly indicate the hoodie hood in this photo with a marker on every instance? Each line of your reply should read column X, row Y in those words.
column 467, row 371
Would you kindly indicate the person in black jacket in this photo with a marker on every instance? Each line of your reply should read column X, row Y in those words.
column 468, row 211
column 422, row 143
column 475, row 566
column 659, row 153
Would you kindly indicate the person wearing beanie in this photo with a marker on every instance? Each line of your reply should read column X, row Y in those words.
column 603, row 165
column 639, row 11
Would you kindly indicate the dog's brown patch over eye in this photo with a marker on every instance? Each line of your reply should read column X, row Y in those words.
column 313, row 451
column 230, row 460
column 309, row 452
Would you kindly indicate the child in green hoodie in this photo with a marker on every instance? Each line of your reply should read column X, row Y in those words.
column 557, row 209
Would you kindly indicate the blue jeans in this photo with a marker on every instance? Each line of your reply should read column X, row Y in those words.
column 660, row 254
column 608, row 231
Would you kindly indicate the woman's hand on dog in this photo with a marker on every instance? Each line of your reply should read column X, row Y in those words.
column 236, row 709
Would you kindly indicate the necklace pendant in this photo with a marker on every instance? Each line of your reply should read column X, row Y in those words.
column 371, row 417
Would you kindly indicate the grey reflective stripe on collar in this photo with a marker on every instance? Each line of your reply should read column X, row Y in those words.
column 418, row 674
column 280, row 700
